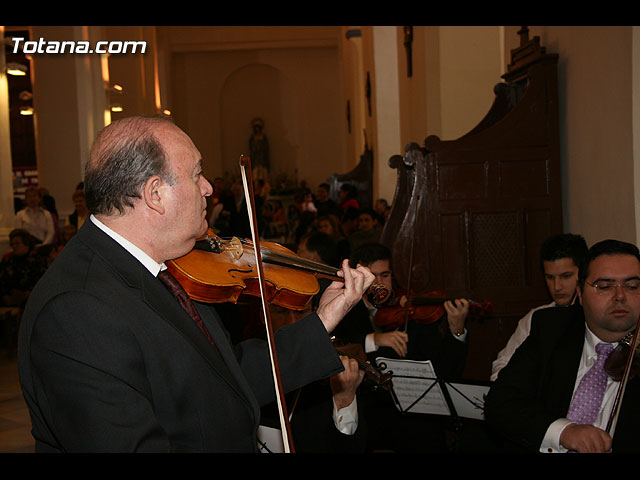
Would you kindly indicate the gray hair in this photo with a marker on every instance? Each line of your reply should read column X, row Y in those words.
column 124, row 156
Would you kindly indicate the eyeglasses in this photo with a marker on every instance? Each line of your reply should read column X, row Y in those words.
column 631, row 287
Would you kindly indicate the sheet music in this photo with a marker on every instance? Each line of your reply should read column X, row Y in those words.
column 411, row 379
column 269, row 440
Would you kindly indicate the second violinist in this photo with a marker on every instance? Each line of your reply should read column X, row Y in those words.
column 444, row 342
column 423, row 342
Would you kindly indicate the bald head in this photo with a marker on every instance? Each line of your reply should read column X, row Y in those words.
column 124, row 155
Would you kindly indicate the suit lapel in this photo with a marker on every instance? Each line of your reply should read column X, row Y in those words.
column 565, row 360
column 157, row 297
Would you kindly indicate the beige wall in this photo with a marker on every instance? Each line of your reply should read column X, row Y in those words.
column 219, row 86
column 296, row 91
column 595, row 87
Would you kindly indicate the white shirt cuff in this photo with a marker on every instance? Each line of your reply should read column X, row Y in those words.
column 346, row 419
column 369, row 344
column 551, row 441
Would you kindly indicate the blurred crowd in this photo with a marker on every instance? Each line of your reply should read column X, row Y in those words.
column 288, row 220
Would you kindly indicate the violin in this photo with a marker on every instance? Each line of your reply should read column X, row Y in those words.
column 425, row 309
column 617, row 360
column 372, row 373
column 622, row 365
column 221, row 270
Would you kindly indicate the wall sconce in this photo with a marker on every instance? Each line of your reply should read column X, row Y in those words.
column 115, row 88
column 116, row 107
column 17, row 69
column 26, row 97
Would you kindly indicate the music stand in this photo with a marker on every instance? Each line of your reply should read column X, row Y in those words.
column 417, row 389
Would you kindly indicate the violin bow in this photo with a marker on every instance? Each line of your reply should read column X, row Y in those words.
column 247, row 180
column 409, row 280
column 617, row 404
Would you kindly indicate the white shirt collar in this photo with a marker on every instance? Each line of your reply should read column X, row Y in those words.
column 149, row 263
column 590, row 342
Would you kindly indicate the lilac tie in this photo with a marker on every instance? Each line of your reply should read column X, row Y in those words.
column 588, row 397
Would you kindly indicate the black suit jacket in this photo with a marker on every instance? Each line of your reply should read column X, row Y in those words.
column 536, row 386
column 109, row 361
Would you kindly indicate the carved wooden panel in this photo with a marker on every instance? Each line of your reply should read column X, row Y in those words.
column 478, row 208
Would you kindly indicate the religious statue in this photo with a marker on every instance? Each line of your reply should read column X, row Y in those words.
column 259, row 150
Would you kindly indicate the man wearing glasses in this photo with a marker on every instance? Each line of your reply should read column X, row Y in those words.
column 538, row 401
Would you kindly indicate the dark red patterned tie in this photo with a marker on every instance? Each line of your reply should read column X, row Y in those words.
column 181, row 295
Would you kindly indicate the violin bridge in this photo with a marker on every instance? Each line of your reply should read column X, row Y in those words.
column 234, row 247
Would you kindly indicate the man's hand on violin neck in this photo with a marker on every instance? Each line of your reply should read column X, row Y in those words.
column 341, row 297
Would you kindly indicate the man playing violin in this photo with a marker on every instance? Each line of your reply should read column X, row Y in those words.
column 109, row 360
column 535, row 403
column 377, row 258
column 561, row 256
column 443, row 342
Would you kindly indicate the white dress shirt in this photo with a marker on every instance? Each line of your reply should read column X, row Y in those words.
column 149, row 263
column 38, row 222
column 519, row 335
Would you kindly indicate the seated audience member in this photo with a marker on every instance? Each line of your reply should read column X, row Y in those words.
column 330, row 225
column 47, row 253
column 545, row 398
column 308, row 203
column 275, row 218
column 368, row 230
column 214, row 202
column 81, row 212
column 323, row 202
column 304, row 226
column 35, row 219
column 382, row 208
column 561, row 256
column 319, row 247
column 49, row 203
column 349, row 221
column 348, row 197
column 68, row 231
column 233, row 220
column 20, row 269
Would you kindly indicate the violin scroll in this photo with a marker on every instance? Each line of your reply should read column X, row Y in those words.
column 378, row 294
column 374, row 374
column 617, row 360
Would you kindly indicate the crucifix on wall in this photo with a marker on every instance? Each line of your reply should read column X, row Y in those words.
column 368, row 93
column 408, row 40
